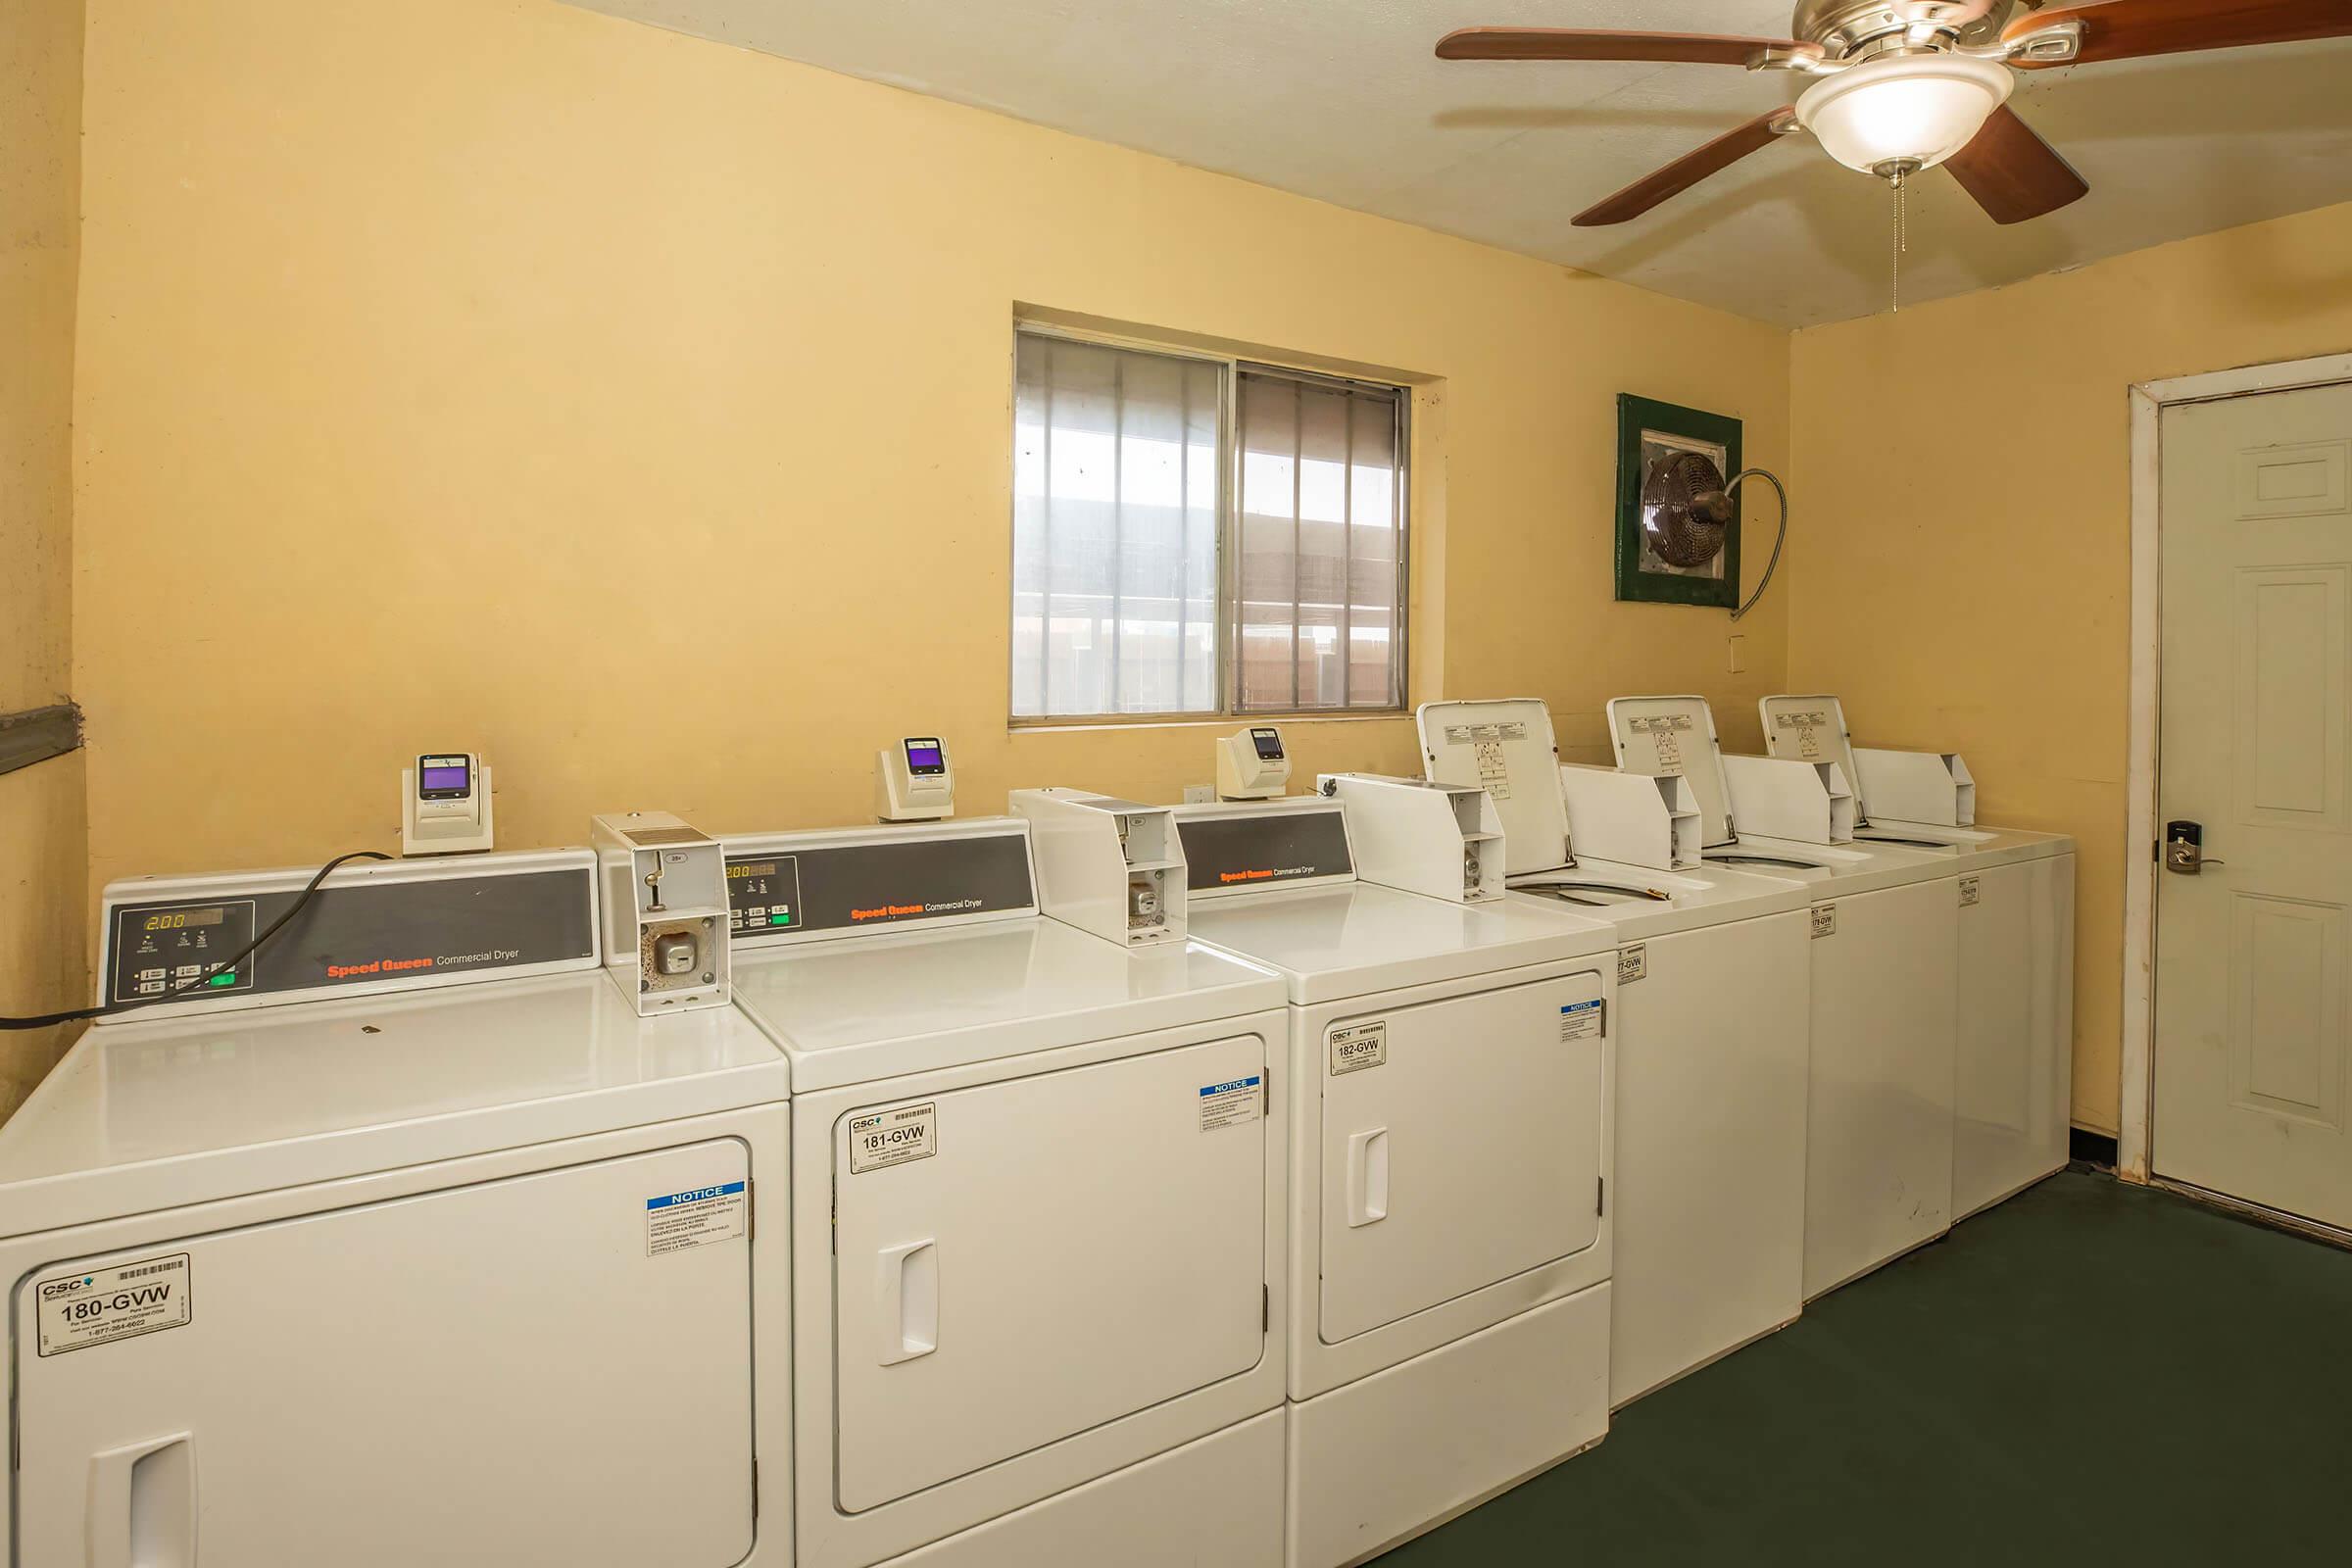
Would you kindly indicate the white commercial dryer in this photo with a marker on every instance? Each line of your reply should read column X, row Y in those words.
column 2015, row 1082
column 1884, row 981
column 1713, row 1014
column 402, row 1241
column 1040, row 1224
column 1450, row 1220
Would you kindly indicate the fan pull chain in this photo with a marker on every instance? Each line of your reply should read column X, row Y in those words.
column 1902, row 239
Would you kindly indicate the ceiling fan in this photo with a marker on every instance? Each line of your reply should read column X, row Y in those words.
column 1907, row 85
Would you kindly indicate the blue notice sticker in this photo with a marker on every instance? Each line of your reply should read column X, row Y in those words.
column 1232, row 1103
column 694, row 1195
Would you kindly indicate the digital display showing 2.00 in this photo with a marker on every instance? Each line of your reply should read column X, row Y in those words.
column 184, row 919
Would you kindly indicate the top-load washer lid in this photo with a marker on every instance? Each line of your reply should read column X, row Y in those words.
column 1507, row 749
column 187, row 1107
column 875, row 1006
column 1812, row 729
column 1675, row 735
column 1352, row 940
column 1641, row 902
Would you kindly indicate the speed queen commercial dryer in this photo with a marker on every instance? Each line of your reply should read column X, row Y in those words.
column 1713, row 996
column 1450, row 1220
column 403, row 1240
column 1038, row 1243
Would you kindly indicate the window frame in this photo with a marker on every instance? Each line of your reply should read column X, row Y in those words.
column 1231, row 368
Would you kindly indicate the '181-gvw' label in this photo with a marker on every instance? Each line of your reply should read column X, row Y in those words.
column 1825, row 920
column 881, row 1139
column 105, row 1305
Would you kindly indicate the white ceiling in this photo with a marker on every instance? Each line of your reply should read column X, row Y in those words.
column 1343, row 100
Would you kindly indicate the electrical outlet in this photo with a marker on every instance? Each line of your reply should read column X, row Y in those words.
column 1199, row 794
column 1739, row 655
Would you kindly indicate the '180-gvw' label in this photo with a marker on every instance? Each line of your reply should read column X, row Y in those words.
column 105, row 1305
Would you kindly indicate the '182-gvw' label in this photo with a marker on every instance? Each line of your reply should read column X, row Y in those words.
column 1359, row 1045
column 120, row 1302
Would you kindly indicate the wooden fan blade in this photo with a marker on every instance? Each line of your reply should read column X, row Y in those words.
column 2012, row 173
column 1686, row 172
column 2125, row 30
column 1574, row 43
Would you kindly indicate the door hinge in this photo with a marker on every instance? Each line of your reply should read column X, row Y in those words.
column 1601, row 1197
column 1265, row 1094
column 751, row 1207
column 1604, row 1017
column 1265, row 1308
column 833, row 1218
column 754, row 1488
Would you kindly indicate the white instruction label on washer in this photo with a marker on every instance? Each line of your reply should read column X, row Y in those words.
column 1359, row 1045
column 695, row 1217
column 1968, row 892
column 1230, row 1103
column 1665, row 733
column 1808, row 727
column 1825, row 920
column 1633, row 963
column 120, row 1302
column 881, row 1139
column 1493, row 773
column 1579, row 1020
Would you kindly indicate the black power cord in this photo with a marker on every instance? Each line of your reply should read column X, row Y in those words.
column 46, row 1020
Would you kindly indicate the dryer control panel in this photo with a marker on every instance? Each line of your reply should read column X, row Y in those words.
column 376, row 927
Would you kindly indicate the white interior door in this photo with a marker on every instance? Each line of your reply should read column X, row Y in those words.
column 2251, row 1022
column 534, row 1370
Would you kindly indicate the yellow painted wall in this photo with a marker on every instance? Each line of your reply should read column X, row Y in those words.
column 1961, row 568
column 42, row 841
column 636, row 411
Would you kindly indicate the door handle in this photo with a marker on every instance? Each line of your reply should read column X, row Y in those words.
column 2184, row 849
column 1367, row 1177
column 142, row 1505
column 908, row 1277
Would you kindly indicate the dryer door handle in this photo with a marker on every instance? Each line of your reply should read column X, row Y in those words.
column 907, row 1279
column 142, row 1505
column 1367, row 1177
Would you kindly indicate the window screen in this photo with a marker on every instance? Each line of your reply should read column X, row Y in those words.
column 1114, row 530
column 1194, row 536
column 1321, row 546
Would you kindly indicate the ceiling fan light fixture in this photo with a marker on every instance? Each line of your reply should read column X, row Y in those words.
column 1903, row 112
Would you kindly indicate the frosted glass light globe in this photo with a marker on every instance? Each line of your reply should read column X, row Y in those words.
column 1906, row 109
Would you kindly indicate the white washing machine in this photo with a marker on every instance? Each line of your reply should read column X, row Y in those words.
column 1885, row 982
column 405, row 1242
column 1450, row 1214
column 1040, row 1215
column 1713, row 1007
column 2014, row 1087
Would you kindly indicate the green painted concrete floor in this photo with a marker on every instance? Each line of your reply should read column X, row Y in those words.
column 2092, row 1373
